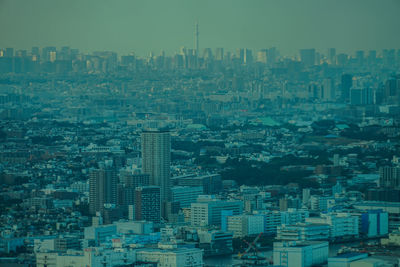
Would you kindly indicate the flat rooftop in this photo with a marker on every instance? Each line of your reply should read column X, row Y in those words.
column 349, row 255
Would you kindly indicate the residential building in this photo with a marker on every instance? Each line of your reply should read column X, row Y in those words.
column 156, row 157
column 148, row 203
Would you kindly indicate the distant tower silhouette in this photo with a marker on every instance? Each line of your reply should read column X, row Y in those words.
column 196, row 38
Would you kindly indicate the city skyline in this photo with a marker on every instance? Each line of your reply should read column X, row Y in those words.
column 142, row 26
column 324, row 53
column 199, row 133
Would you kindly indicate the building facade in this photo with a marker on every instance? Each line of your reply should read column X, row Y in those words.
column 102, row 189
column 148, row 203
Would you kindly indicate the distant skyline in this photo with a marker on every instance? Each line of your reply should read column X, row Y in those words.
column 144, row 26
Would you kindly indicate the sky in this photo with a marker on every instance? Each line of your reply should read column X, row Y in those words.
column 144, row 26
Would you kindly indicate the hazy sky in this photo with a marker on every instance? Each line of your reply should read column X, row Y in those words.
column 154, row 25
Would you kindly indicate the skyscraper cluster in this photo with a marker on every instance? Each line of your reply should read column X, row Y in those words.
column 149, row 192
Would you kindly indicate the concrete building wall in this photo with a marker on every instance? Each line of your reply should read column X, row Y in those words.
column 300, row 254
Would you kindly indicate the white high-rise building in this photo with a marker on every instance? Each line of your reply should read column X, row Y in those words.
column 156, row 156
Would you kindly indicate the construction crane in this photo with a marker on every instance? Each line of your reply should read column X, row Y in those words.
column 251, row 257
column 250, row 245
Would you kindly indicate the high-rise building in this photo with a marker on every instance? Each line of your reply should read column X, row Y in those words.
column 9, row 52
column 131, row 179
column 328, row 89
column 272, row 56
column 392, row 88
column 342, row 59
column 148, row 203
column 248, row 56
column 262, row 56
column 307, row 57
column 372, row 57
column 332, row 56
column 306, row 195
column 46, row 53
column 244, row 55
column 126, row 198
column 346, row 84
column 389, row 177
column 361, row 96
column 240, row 54
column 207, row 54
column 389, row 57
column 102, row 188
column 156, row 156
column 219, row 53
column 360, row 57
